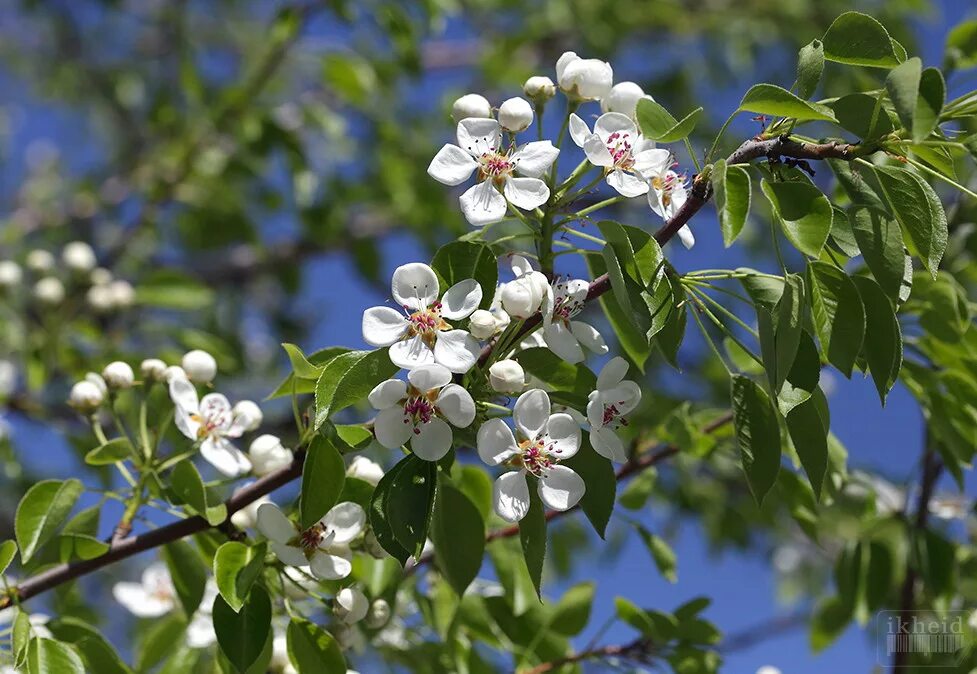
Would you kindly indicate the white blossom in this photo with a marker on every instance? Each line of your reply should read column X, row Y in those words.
column 200, row 366
column 49, row 290
column 616, row 146
column 247, row 517
column 524, row 295
column 586, row 79
column 210, row 422
column 78, row 256
column 471, row 105
column 8, row 378
column 507, row 376
column 422, row 336
column 152, row 597
column 539, row 88
column 564, row 336
column 505, row 175
column 152, row 369
column 364, row 469
column 174, row 372
column 668, row 194
column 10, row 274
column 40, row 261
column 100, row 276
column 85, row 396
column 100, row 298
column 323, row 546
column 122, row 293
column 118, row 375
column 38, row 623
column 247, row 414
column 485, row 323
column 542, row 441
column 416, row 411
column 623, row 97
column 268, row 454
column 351, row 605
column 608, row 406
column 515, row 114
column 379, row 614
column 200, row 631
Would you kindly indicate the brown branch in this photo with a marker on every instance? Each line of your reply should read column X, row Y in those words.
column 639, row 646
column 127, row 547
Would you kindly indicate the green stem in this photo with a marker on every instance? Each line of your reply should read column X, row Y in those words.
column 705, row 333
column 584, row 235
column 722, row 130
column 599, row 205
column 695, row 161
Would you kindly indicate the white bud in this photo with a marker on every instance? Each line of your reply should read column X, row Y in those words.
column 379, row 614
column 99, row 298
column 174, row 371
column 586, row 79
column 123, row 294
column 516, row 114
column 247, row 517
column 78, row 256
column 8, row 378
column 364, row 469
column 481, row 324
column 507, row 376
column 100, row 276
column 98, row 381
column 85, row 396
column 268, row 454
column 10, row 274
column 623, row 97
column 118, row 375
column 471, row 105
column 372, row 545
column 351, row 605
column 200, row 366
column 522, row 296
column 152, row 369
column 40, row 261
column 247, row 415
column 539, row 88
column 49, row 290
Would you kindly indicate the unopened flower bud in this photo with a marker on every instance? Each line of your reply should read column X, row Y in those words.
column 372, row 545
column 471, row 105
column 351, row 605
column 364, row 469
column 482, row 324
column 118, row 375
column 623, row 97
column 79, row 257
column 99, row 298
column 586, row 79
column 123, row 294
column 174, row 371
column 379, row 614
column 539, row 88
column 85, row 397
column 507, row 376
column 152, row 369
column 98, row 381
column 40, row 261
column 516, row 114
column 247, row 517
column 8, row 378
column 100, row 276
column 200, row 366
column 49, row 290
column 522, row 296
column 268, row 454
column 10, row 274
column 247, row 415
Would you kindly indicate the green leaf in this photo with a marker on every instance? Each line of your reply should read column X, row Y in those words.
column 808, row 431
column 47, row 656
column 242, row 634
column 633, row 340
column 189, row 487
column 301, row 367
column 810, row 65
column 598, row 475
column 42, row 510
column 171, row 289
column 839, row 317
column 841, row 233
column 189, row 574
column 863, row 115
column 380, row 506
column 658, row 124
column 661, row 627
column 880, row 240
column 558, row 374
column 21, row 635
column 96, row 652
column 661, row 552
column 7, row 551
column 409, row 502
column 636, row 494
column 802, row 380
column 619, row 286
column 902, row 83
column 780, row 331
column 638, row 252
column 918, row 209
column 733, row 192
column 883, row 337
column 858, row 39
column 348, row 379
column 323, row 475
column 855, row 186
column 458, row 532
column 532, row 536
column 462, row 260
column 318, row 360
column 157, row 642
column 113, row 451
column 830, row 618
column 757, row 434
column 961, row 45
column 572, row 613
column 236, row 567
column 312, row 650
column 804, row 213
column 945, row 312
column 769, row 99
column 669, row 338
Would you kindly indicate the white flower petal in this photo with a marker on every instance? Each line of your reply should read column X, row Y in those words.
column 387, row 393
column 273, row 524
column 588, row 337
column 139, row 601
column 531, row 412
column 456, row 405
column 561, row 341
column 216, row 411
column 495, row 442
column 456, row 350
column 685, row 236
column 187, row 421
column 526, row 193
column 382, row 326
column 625, row 396
column 520, row 265
column 329, row 567
column 477, row 135
column 346, row 520
column 184, row 394
column 534, row 159
column 612, row 373
column 614, row 122
column 579, row 131
column 561, row 488
column 564, row 435
column 461, row 299
column 429, row 377
column 411, row 353
column 482, row 204
column 225, row 457
column 200, row 631
column 597, row 152
column 652, row 163
column 606, row 443
column 289, row 554
column 415, row 286
column 451, row 165
column 510, row 496
column 392, row 428
column 627, row 184
column 431, row 441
